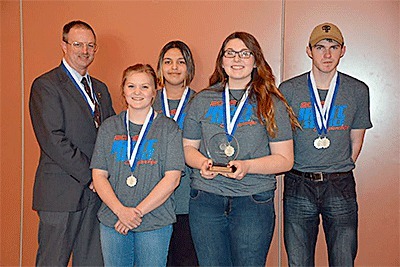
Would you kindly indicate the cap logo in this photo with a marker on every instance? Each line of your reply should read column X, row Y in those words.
column 326, row 28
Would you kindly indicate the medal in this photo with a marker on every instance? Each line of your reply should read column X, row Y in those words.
column 317, row 143
column 133, row 152
column 229, row 151
column 131, row 181
column 231, row 123
column 321, row 113
column 323, row 142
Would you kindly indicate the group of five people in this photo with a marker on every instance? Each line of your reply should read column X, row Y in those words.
column 150, row 179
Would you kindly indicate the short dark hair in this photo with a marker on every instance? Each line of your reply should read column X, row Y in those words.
column 75, row 23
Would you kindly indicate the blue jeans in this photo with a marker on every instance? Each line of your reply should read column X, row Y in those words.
column 231, row 231
column 304, row 202
column 148, row 248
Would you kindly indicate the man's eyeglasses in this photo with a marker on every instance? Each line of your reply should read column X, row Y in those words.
column 244, row 54
column 79, row 45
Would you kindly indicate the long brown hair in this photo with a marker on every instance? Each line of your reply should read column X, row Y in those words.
column 262, row 84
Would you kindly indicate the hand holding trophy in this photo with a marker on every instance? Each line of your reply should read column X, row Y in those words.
column 222, row 148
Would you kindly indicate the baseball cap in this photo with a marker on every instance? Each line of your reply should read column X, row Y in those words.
column 326, row 31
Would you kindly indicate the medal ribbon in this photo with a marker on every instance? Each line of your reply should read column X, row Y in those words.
column 181, row 105
column 83, row 93
column 231, row 125
column 132, row 152
column 322, row 114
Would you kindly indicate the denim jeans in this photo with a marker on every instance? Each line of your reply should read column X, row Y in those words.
column 148, row 248
column 231, row 231
column 304, row 202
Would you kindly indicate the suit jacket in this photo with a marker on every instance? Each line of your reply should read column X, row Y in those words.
column 66, row 134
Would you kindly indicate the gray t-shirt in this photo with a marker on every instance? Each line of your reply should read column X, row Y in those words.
column 161, row 151
column 205, row 119
column 350, row 111
column 182, row 192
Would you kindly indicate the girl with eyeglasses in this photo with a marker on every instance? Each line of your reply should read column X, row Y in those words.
column 232, row 215
column 175, row 71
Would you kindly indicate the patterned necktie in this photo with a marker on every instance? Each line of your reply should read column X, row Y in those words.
column 97, row 116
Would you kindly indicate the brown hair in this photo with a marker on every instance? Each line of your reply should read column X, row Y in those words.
column 262, row 84
column 145, row 68
column 78, row 24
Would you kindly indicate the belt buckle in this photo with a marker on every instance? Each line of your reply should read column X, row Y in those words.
column 318, row 176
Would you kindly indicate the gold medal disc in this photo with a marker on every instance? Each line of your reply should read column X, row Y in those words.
column 318, row 143
column 131, row 181
column 229, row 151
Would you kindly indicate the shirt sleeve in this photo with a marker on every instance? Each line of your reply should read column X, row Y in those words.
column 175, row 159
column 285, row 89
column 362, row 118
column 282, row 121
column 192, row 124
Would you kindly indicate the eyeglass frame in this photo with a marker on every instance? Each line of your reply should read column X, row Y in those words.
column 239, row 53
column 80, row 45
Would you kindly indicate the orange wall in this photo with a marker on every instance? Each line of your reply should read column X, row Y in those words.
column 11, row 134
column 134, row 31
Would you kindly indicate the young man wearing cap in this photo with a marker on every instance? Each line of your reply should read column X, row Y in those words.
column 333, row 110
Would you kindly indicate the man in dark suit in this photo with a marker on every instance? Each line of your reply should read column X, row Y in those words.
column 66, row 107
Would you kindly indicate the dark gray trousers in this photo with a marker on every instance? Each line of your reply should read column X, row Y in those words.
column 64, row 233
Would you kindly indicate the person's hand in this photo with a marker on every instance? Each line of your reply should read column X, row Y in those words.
column 91, row 187
column 241, row 167
column 130, row 217
column 205, row 170
column 121, row 228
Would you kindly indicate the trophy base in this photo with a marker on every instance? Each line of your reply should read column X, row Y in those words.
column 222, row 168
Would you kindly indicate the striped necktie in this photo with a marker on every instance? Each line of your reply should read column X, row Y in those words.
column 97, row 115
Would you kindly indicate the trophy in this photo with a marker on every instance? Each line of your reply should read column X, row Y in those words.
column 222, row 148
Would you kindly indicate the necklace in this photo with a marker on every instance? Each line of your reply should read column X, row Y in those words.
column 237, row 99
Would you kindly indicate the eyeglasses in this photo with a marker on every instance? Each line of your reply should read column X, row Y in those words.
column 79, row 45
column 244, row 54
